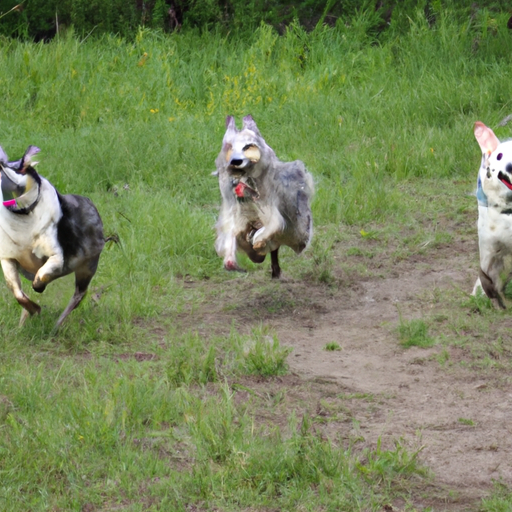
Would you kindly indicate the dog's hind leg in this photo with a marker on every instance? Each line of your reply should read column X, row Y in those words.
column 83, row 277
column 274, row 264
column 246, row 247
column 12, row 279
column 490, row 289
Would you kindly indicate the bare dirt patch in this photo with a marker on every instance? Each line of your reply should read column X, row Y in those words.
column 429, row 399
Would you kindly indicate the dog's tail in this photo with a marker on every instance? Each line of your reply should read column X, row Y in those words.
column 114, row 237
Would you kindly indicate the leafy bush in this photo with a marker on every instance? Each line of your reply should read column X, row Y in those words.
column 43, row 19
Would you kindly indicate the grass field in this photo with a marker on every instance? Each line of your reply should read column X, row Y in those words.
column 125, row 410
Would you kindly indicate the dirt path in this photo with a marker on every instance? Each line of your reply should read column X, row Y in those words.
column 459, row 416
column 417, row 399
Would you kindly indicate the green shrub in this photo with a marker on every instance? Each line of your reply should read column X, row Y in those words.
column 371, row 19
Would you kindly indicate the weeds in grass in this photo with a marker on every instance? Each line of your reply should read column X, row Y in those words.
column 500, row 499
column 186, row 368
column 264, row 356
column 192, row 360
column 443, row 357
column 414, row 333
column 381, row 465
column 304, row 465
column 479, row 303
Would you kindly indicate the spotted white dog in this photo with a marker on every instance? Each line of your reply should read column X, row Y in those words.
column 43, row 234
column 265, row 202
column 494, row 194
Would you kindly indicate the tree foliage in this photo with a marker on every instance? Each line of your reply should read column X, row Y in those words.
column 43, row 19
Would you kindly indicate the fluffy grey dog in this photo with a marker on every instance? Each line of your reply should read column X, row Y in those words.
column 265, row 202
column 43, row 234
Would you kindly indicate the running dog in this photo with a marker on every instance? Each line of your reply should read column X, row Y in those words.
column 44, row 235
column 494, row 195
column 265, row 202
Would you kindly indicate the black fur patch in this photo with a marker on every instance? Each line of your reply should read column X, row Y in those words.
column 80, row 230
column 32, row 172
column 490, row 289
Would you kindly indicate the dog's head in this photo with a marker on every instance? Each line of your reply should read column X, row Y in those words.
column 19, row 181
column 245, row 157
column 495, row 175
column 244, row 152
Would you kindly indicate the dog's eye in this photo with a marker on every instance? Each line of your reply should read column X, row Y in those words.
column 500, row 156
column 252, row 152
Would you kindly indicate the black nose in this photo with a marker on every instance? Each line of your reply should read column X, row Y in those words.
column 508, row 168
column 236, row 162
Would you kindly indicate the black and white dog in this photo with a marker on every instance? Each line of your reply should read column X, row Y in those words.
column 494, row 194
column 43, row 234
column 265, row 202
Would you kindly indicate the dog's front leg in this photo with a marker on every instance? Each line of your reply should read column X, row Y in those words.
column 226, row 244
column 12, row 279
column 230, row 262
column 51, row 270
column 262, row 239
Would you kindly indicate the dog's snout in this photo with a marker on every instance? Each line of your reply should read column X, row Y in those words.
column 508, row 168
column 236, row 162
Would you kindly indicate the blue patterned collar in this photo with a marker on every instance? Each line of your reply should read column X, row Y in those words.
column 480, row 194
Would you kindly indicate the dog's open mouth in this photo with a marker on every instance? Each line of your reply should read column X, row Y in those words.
column 245, row 191
column 505, row 179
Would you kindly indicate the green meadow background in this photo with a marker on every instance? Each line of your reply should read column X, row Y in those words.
column 135, row 124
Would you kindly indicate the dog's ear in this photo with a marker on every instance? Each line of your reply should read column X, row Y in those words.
column 230, row 123
column 26, row 161
column 485, row 137
column 231, row 130
column 3, row 157
column 230, row 126
column 250, row 124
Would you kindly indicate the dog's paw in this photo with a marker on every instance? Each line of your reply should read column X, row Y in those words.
column 259, row 246
column 232, row 266
column 257, row 240
column 34, row 309
column 39, row 287
column 39, row 284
